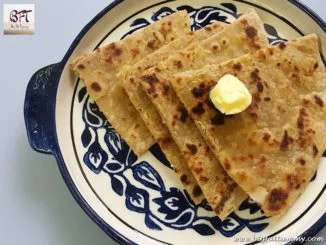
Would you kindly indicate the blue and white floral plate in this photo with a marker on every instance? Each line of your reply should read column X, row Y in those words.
column 139, row 200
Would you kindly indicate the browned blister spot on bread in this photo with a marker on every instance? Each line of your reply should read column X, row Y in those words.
column 166, row 28
column 314, row 150
column 197, row 191
column 198, row 109
column 151, row 81
column 192, row 148
column 96, row 87
column 113, row 50
column 251, row 32
column 81, row 66
column 198, row 92
column 237, row 66
column 293, row 181
column 277, row 199
column 318, row 101
column 183, row 114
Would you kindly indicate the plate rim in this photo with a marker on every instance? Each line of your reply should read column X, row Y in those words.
column 106, row 227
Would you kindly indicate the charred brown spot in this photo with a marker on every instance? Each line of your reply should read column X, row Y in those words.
column 267, row 99
column 262, row 55
column 251, row 156
column 198, row 170
column 197, row 191
column 137, row 125
column 244, row 22
column 305, row 102
column 263, row 159
column 242, row 176
column 255, row 76
column 184, row 178
column 227, row 165
column 183, row 114
column 237, row 66
column 251, row 32
column 165, row 142
column 270, row 50
column 224, row 42
column 316, row 66
column 278, row 64
column 198, row 92
column 224, row 197
column 109, row 60
column 192, row 148
column 253, row 116
column 318, row 101
column 81, row 66
column 203, row 179
column 96, row 87
column 314, row 150
column 166, row 89
column 208, row 28
column 152, row 44
column 293, row 181
column 215, row 47
column 178, row 64
column 300, row 121
column 266, row 137
column 131, row 80
column 260, row 87
column 282, row 46
column 303, row 112
column 218, row 119
column 304, row 139
column 281, row 109
column 151, row 80
column 165, row 28
column 207, row 149
column 198, row 109
column 301, row 161
column 134, row 52
column 277, row 199
column 116, row 51
column 286, row 140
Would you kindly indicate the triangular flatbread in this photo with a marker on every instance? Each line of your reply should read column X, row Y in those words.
column 100, row 72
column 273, row 148
column 244, row 35
column 150, row 115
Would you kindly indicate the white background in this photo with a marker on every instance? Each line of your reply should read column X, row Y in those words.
column 35, row 204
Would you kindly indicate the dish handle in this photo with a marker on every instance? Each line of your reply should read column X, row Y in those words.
column 39, row 108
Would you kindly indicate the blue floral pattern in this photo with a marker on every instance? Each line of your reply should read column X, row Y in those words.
column 173, row 207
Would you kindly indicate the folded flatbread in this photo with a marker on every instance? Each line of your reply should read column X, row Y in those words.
column 273, row 148
column 149, row 113
column 244, row 35
column 100, row 72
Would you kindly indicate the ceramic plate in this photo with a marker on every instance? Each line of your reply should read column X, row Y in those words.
column 139, row 200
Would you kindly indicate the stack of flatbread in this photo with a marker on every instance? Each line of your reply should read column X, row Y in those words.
column 154, row 86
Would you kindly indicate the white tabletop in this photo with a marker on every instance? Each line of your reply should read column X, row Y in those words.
column 35, row 205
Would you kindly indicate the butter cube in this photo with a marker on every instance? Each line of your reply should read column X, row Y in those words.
column 230, row 95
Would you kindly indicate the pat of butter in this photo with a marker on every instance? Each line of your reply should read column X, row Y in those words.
column 230, row 95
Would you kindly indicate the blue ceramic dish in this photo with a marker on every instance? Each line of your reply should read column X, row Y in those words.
column 138, row 200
